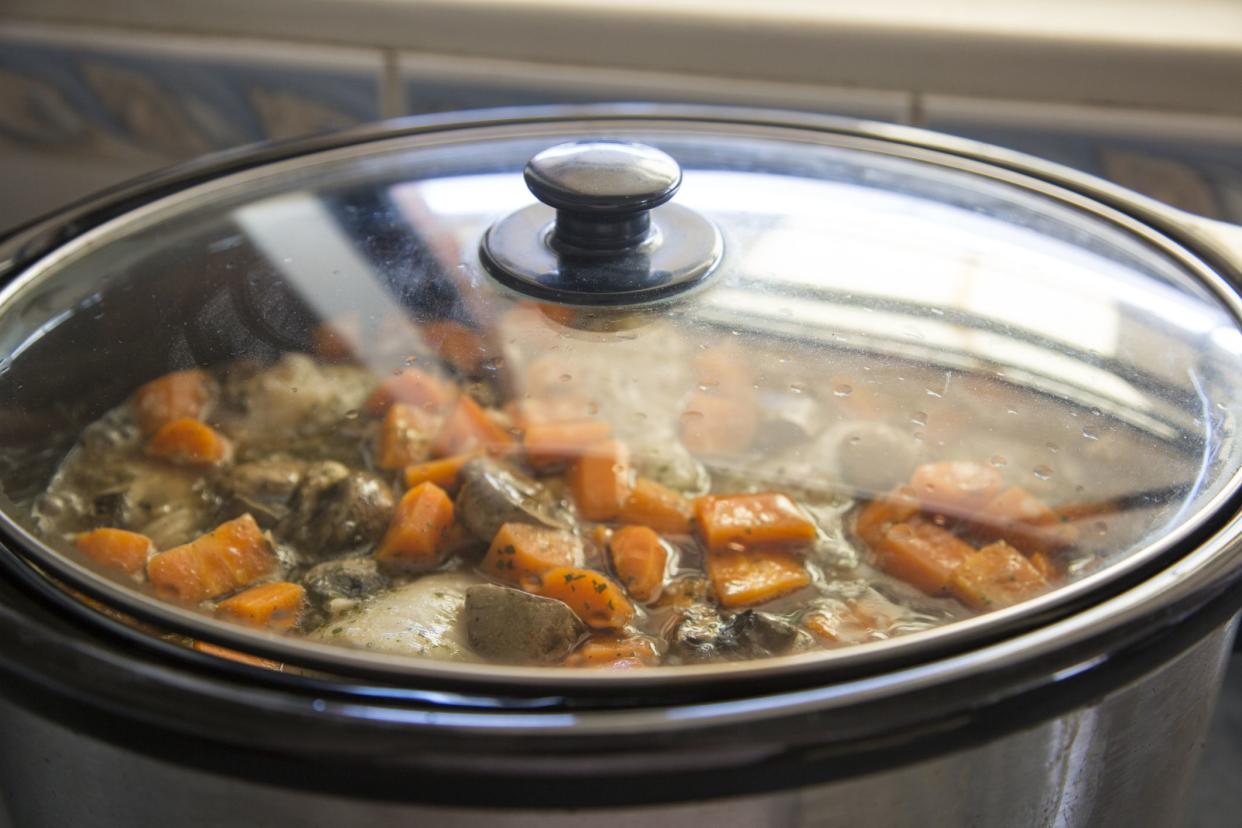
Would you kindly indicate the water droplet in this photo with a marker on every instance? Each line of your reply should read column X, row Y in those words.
column 999, row 460
column 1011, row 410
column 1097, row 412
column 1042, row 472
column 708, row 386
column 691, row 416
column 933, row 393
column 1052, row 447
column 1100, row 527
column 797, row 387
column 919, row 436
column 939, row 520
column 411, row 360
column 736, row 333
column 919, row 418
column 351, row 414
column 855, row 440
column 566, row 377
column 935, row 311
column 1090, row 434
column 842, row 391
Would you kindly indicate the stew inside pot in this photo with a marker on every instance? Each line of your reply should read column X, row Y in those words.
column 477, row 504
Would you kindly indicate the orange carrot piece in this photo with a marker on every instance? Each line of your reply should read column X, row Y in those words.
column 117, row 548
column 743, row 578
column 445, row 472
column 411, row 387
column 717, row 425
column 956, row 488
column 618, row 653
column 995, row 577
column 226, row 558
column 520, row 553
column 877, row 516
column 1023, row 520
column 416, row 536
column 528, row 412
column 595, row 598
column 639, row 558
column 171, row 397
column 1045, row 566
column 657, row 507
column 190, row 442
column 922, row 554
column 456, row 344
column 600, row 480
column 469, row 428
column 405, row 436
column 234, row 655
column 547, row 444
column 835, row 623
column 765, row 520
column 275, row 605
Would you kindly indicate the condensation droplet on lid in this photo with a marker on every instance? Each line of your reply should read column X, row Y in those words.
column 797, row 387
column 1100, row 528
column 566, row 377
column 1011, row 410
column 1097, row 412
column 919, row 418
column 1052, row 447
column 999, row 460
column 939, row 520
column 691, row 415
column 842, row 391
column 936, row 311
column 933, row 393
column 1042, row 472
column 919, row 436
column 708, row 386
column 1090, row 434
column 411, row 360
column 351, row 414
column 855, row 440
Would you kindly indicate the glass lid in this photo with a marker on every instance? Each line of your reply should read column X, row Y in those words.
column 723, row 393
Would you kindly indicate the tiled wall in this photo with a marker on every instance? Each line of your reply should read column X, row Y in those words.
column 84, row 108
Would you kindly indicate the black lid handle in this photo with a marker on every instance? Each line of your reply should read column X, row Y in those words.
column 602, row 191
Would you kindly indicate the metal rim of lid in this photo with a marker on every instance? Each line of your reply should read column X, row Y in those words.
column 30, row 251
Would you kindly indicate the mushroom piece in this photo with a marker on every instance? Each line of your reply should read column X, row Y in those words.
column 338, row 585
column 261, row 487
column 704, row 636
column 508, row 625
column 493, row 494
column 336, row 509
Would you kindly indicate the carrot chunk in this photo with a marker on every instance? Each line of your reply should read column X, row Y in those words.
column 877, row 516
column 995, row 577
column 616, row 652
column 639, row 558
column 657, row 507
column 716, row 425
column 275, row 605
column 117, row 548
column 416, row 536
column 744, row 578
column 600, row 480
column 445, row 472
column 922, row 554
column 469, row 428
column 528, row 412
column 835, row 623
column 411, row 387
column 1045, row 566
column 226, row 558
column 234, row 655
column 520, row 553
column 190, row 442
column 547, row 444
column 1021, row 519
column 595, row 598
column 171, row 397
column 751, row 520
column 456, row 344
column 405, row 436
column 955, row 488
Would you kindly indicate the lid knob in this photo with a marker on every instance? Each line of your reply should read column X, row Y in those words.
column 613, row 238
column 603, row 191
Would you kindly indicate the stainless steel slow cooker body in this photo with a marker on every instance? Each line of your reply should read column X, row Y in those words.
column 1056, row 681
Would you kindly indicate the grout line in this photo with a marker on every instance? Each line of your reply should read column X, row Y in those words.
column 392, row 102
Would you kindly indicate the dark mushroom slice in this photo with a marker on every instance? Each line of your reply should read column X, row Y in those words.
column 511, row 626
column 336, row 509
column 493, row 494
column 261, row 487
column 704, row 636
column 336, row 584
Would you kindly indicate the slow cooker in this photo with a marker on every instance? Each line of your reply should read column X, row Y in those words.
column 904, row 297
